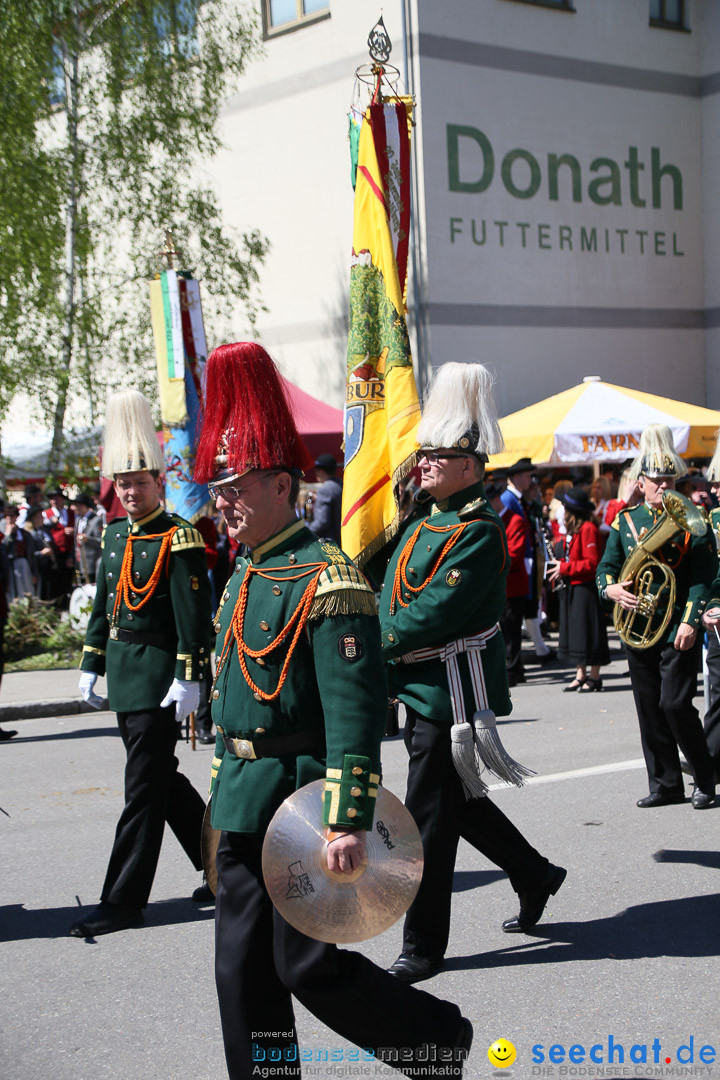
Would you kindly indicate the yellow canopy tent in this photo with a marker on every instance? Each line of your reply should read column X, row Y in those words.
column 597, row 421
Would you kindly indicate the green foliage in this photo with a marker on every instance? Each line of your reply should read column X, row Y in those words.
column 35, row 630
column 90, row 180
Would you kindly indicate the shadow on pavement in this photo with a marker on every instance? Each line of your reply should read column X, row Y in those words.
column 17, row 923
column 85, row 733
column 710, row 859
column 464, row 880
column 683, row 927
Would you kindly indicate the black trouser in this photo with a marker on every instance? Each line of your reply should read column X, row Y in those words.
column 436, row 800
column 712, row 716
column 203, row 716
column 155, row 792
column 664, row 681
column 511, row 624
column 260, row 960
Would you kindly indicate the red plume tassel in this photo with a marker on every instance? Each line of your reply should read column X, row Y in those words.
column 247, row 410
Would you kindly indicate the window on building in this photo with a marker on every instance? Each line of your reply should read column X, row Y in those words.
column 282, row 15
column 562, row 5
column 668, row 13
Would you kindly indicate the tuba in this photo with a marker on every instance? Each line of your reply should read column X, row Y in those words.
column 654, row 581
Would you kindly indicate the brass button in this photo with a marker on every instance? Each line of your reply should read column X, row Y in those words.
column 117, row 536
column 264, row 625
column 259, row 660
column 143, row 554
column 258, row 696
column 355, row 791
column 202, row 651
column 391, row 637
column 237, row 569
column 428, row 547
column 136, row 575
column 352, row 812
column 109, row 577
column 411, row 570
column 259, row 730
column 276, row 590
column 292, row 558
column 357, row 771
column 226, row 595
column 216, row 627
column 215, row 694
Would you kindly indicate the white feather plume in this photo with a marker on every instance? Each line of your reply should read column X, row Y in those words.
column 130, row 443
column 657, row 453
column 461, row 395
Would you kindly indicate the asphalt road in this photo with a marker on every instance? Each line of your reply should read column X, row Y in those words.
column 626, row 950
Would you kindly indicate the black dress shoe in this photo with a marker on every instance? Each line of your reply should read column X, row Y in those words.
column 106, row 919
column 410, row 968
column 204, row 894
column 5, row 734
column 702, row 800
column 661, row 798
column 204, row 737
column 547, row 658
column 532, row 904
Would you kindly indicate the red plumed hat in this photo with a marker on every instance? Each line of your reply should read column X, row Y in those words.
column 248, row 422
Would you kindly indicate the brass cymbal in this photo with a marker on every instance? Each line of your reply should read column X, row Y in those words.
column 334, row 907
column 209, row 840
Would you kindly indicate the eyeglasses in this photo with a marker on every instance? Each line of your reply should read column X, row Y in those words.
column 230, row 493
column 433, row 457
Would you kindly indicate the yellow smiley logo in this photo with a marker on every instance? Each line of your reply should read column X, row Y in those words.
column 501, row 1054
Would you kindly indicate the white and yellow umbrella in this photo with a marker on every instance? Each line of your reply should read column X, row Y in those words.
column 597, row 421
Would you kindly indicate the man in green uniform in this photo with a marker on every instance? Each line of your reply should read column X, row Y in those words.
column 149, row 634
column 711, row 620
column 299, row 695
column 443, row 595
column 664, row 676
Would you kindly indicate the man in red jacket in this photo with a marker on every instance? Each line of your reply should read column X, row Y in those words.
column 518, row 582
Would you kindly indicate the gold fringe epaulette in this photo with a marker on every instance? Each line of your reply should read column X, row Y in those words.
column 343, row 590
column 186, row 538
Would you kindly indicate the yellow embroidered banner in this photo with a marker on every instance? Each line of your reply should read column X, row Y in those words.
column 381, row 402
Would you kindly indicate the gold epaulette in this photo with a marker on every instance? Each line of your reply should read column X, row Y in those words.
column 102, row 537
column 185, row 538
column 343, row 590
column 472, row 510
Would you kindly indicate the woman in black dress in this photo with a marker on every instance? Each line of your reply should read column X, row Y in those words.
column 583, row 636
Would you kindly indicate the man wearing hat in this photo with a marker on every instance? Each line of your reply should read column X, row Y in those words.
column 328, row 500
column 32, row 498
column 87, row 536
column 664, row 676
column 443, row 595
column 60, row 519
column 149, row 634
column 299, row 695
column 524, row 608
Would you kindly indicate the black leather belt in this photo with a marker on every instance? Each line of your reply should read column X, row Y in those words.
column 132, row 637
column 251, row 749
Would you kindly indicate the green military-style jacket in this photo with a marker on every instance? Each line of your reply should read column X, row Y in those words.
column 333, row 690
column 464, row 595
column 714, row 595
column 692, row 559
column 175, row 621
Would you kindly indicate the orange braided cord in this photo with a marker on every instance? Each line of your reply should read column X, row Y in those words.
column 298, row 620
column 400, row 577
column 125, row 583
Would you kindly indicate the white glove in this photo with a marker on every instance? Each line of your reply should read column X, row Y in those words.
column 85, row 686
column 186, row 696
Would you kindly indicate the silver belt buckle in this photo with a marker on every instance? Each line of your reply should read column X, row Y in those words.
column 244, row 749
column 114, row 633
